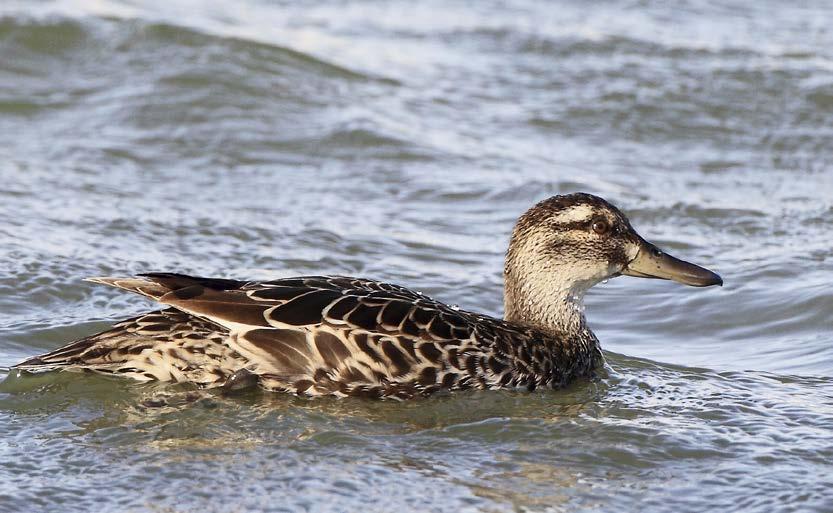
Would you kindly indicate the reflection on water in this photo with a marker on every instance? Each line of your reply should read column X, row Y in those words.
column 400, row 141
column 645, row 429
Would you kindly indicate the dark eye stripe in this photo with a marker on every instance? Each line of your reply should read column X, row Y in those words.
column 574, row 225
column 585, row 225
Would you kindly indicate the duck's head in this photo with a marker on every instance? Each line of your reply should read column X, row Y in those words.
column 566, row 244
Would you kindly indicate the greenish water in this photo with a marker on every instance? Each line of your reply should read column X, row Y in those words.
column 400, row 141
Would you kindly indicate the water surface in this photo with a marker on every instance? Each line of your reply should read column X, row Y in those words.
column 400, row 141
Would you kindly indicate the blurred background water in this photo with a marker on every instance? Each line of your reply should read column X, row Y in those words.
column 400, row 141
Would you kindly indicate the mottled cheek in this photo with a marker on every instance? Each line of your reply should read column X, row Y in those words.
column 619, row 255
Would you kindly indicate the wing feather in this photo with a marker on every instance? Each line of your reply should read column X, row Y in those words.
column 228, row 308
column 283, row 351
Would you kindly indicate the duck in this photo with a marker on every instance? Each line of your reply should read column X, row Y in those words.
column 344, row 336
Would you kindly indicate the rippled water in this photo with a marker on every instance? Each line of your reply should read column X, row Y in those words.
column 400, row 141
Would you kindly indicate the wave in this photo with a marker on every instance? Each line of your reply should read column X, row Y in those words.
column 26, row 38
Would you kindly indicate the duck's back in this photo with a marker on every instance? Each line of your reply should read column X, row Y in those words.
column 316, row 336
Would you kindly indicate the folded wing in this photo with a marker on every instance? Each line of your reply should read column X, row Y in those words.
column 331, row 335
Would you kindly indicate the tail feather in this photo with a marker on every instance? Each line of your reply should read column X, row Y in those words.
column 166, row 345
column 91, row 353
column 156, row 285
column 64, row 357
column 145, row 287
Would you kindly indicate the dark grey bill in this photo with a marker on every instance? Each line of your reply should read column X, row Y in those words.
column 650, row 262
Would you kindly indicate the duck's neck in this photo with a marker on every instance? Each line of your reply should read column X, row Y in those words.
column 544, row 304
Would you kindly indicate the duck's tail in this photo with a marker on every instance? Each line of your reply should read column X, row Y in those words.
column 166, row 345
column 157, row 285
column 139, row 285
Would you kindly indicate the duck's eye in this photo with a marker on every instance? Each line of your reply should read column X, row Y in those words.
column 601, row 226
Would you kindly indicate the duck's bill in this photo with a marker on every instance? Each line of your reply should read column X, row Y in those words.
column 650, row 262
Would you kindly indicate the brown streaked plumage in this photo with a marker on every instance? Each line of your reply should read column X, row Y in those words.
column 319, row 335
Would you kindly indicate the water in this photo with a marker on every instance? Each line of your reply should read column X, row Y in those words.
column 400, row 141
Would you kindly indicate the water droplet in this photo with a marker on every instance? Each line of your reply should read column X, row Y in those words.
column 604, row 281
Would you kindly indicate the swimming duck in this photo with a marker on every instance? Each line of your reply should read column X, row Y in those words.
column 332, row 335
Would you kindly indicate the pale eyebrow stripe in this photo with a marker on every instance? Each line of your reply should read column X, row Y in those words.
column 575, row 214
